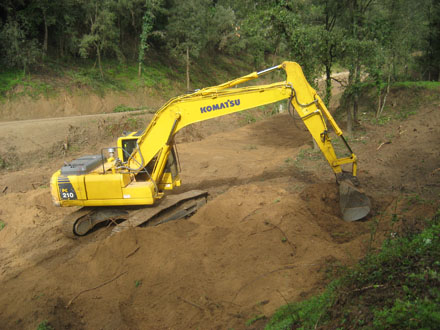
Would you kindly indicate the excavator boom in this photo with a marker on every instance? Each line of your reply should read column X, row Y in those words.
column 144, row 164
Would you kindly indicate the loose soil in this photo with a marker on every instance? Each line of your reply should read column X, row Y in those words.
column 270, row 233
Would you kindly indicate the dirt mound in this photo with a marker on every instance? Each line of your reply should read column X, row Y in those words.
column 241, row 255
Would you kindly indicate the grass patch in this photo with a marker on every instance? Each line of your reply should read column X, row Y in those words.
column 418, row 84
column 3, row 163
column 304, row 156
column 9, row 80
column 255, row 319
column 44, row 325
column 304, row 314
column 124, row 108
column 15, row 84
column 10, row 160
column 399, row 287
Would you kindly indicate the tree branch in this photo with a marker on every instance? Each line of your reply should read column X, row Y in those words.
column 96, row 287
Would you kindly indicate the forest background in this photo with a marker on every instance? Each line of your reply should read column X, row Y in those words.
column 386, row 40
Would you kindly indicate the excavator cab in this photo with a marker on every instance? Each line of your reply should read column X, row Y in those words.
column 128, row 143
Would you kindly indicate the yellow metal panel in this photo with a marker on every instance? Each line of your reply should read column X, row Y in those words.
column 77, row 182
column 137, row 190
column 166, row 183
column 126, row 179
column 103, row 186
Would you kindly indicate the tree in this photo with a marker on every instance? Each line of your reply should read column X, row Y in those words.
column 186, row 30
column 18, row 51
column 152, row 7
column 103, row 33
column 43, row 11
column 431, row 58
column 324, row 16
column 221, row 31
column 358, row 47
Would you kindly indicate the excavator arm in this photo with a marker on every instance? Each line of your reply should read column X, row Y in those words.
column 222, row 100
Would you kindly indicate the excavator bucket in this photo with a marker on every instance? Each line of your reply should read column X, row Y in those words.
column 354, row 204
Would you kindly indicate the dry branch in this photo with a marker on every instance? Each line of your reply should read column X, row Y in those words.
column 96, row 287
column 383, row 143
column 133, row 252
column 191, row 303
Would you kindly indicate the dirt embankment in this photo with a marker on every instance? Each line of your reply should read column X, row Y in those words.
column 74, row 104
column 270, row 232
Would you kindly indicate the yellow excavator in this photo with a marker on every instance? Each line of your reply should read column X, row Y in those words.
column 144, row 164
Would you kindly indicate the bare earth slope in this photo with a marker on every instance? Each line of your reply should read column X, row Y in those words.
column 269, row 233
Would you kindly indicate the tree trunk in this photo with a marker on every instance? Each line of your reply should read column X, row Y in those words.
column 355, row 109
column 357, row 81
column 98, row 52
column 46, row 35
column 379, row 105
column 385, row 96
column 349, row 121
column 140, row 69
column 187, row 68
column 328, row 85
column 61, row 43
column 351, row 78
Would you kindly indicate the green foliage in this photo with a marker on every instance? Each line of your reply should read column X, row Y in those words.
column 20, row 51
column 410, row 314
column 375, row 40
column 147, row 26
column 9, row 80
column 187, row 28
column 123, row 108
column 2, row 224
column 255, row 319
column 103, row 33
column 434, row 85
column 305, row 314
column 402, row 282
column 3, row 163
column 44, row 325
column 151, row 11
column 429, row 62
column 137, row 283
